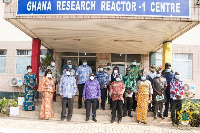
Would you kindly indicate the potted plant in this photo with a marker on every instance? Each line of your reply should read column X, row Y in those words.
column 20, row 99
column 4, row 106
column 14, row 108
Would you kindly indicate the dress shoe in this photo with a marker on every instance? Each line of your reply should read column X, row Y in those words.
column 103, row 108
column 87, row 119
column 130, row 116
column 119, row 121
column 112, row 120
column 62, row 118
column 94, row 119
column 68, row 119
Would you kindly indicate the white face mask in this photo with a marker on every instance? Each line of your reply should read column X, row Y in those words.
column 118, row 79
column 49, row 75
column 177, row 77
column 53, row 63
column 68, row 73
column 91, row 77
column 143, row 78
column 115, row 71
column 29, row 70
column 158, row 75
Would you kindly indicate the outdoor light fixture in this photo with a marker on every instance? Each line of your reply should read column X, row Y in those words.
column 85, row 53
column 7, row 1
column 198, row 2
column 120, row 54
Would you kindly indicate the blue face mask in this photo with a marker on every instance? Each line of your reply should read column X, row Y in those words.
column 70, row 66
column 168, row 70
column 101, row 69
column 143, row 78
column 108, row 67
column 84, row 63
column 134, row 63
column 158, row 75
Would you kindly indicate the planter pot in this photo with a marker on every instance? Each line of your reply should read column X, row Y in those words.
column 14, row 111
column 20, row 100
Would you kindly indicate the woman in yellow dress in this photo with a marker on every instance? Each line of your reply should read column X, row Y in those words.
column 47, row 89
column 142, row 96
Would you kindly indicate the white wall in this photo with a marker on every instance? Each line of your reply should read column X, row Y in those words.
column 8, row 32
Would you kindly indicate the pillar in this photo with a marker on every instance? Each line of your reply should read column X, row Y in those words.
column 167, row 53
column 35, row 57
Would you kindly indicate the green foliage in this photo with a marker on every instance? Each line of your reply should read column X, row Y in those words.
column 13, row 103
column 4, row 106
column 46, row 61
column 194, row 107
column 21, row 95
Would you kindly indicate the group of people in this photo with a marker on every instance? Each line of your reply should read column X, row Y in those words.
column 137, row 90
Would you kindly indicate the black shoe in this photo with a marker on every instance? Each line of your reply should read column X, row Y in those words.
column 87, row 119
column 130, row 116
column 119, row 121
column 68, row 119
column 54, row 100
column 62, row 118
column 112, row 120
column 94, row 119
column 155, row 117
column 79, row 107
column 103, row 108
column 124, row 115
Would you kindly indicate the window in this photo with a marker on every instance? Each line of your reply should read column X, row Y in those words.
column 23, row 60
column 117, row 57
column 3, row 61
column 181, row 63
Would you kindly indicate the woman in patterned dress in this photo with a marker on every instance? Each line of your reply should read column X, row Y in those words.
column 143, row 95
column 47, row 89
column 30, row 81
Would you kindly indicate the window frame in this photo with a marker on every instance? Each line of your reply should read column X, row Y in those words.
column 5, row 57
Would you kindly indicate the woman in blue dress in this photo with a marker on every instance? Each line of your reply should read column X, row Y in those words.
column 30, row 81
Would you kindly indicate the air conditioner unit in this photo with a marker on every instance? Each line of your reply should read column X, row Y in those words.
column 189, row 91
column 16, row 82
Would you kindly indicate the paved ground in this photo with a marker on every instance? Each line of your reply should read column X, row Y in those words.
column 29, row 122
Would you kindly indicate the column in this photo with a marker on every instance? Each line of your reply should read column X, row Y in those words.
column 35, row 57
column 167, row 53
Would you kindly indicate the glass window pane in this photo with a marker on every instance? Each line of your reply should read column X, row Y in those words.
column 87, row 54
column 2, row 64
column 69, row 54
column 117, row 57
column 3, row 52
column 43, row 52
column 24, row 52
column 130, row 57
column 22, row 63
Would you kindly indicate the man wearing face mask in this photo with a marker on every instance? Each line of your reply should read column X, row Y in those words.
column 135, row 72
column 102, row 78
column 159, row 86
column 167, row 65
column 65, row 66
column 176, row 95
column 130, row 84
column 67, row 92
column 112, row 78
column 169, row 76
column 72, row 71
column 117, row 89
column 91, row 94
column 82, row 75
column 55, row 75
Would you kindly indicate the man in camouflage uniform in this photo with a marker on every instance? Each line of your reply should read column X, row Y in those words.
column 55, row 75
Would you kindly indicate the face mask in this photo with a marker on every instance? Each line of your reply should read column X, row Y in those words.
column 108, row 67
column 118, row 79
column 143, row 78
column 168, row 70
column 134, row 63
column 29, row 70
column 84, row 63
column 70, row 66
column 101, row 69
column 49, row 75
column 177, row 77
column 53, row 63
column 68, row 73
column 115, row 71
column 158, row 75
column 91, row 77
